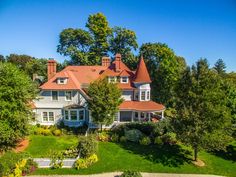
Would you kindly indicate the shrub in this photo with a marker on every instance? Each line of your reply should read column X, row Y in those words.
column 169, row 138
column 87, row 146
column 123, row 139
column 145, row 141
column 7, row 136
column 46, row 132
column 82, row 163
column 103, row 136
column 56, row 160
column 158, row 141
column 57, row 132
column 130, row 173
column 71, row 152
column 115, row 138
column 29, row 167
column 92, row 159
column 38, row 131
column 133, row 135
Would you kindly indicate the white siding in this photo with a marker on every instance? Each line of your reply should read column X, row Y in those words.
column 39, row 117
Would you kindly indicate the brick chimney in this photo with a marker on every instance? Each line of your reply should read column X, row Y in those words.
column 106, row 61
column 52, row 68
column 117, row 62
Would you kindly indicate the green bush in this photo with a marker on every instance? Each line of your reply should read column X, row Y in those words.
column 82, row 163
column 7, row 136
column 29, row 167
column 169, row 138
column 9, row 160
column 57, row 132
column 46, row 132
column 158, row 141
column 87, row 146
column 145, row 141
column 71, row 152
column 123, row 139
column 133, row 135
column 130, row 173
column 39, row 131
column 103, row 136
column 115, row 138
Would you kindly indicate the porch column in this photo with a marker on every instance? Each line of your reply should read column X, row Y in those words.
column 132, row 116
column 162, row 114
column 118, row 116
column 149, row 116
column 139, row 116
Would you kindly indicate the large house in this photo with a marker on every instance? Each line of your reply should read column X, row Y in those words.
column 63, row 97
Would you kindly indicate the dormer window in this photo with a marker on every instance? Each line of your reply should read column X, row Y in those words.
column 124, row 79
column 62, row 80
column 112, row 79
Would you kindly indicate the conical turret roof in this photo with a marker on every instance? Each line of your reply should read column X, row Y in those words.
column 142, row 75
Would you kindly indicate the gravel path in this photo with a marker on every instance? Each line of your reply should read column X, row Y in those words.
column 116, row 174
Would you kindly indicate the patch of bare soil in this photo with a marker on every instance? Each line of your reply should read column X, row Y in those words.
column 199, row 163
column 21, row 146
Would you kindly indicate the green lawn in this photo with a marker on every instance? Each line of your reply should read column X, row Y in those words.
column 40, row 146
column 174, row 159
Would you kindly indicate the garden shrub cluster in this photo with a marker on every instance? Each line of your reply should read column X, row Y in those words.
column 82, row 163
column 144, row 133
column 130, row 173
column 56, row 160
column 46, row 130
column 16, row 164
column 87, row 146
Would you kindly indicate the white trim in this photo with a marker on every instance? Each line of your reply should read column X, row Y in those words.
column 48, row 117
column 77, row 114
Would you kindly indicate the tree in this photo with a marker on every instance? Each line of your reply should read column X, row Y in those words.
column 75, row 43
column 220, row 66
column 203, row 119
column 123, row 41
column 19, row 60
column 165, row 70
column 2, row 58
column 105, row 99
column 99, row 28
column 16, row 92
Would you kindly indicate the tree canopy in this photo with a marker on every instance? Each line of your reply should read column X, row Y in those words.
column 104, row 102
column 203, row 119
column 16, row 92
column 88, row 47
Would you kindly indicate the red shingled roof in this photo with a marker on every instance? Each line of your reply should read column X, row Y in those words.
column 142, row 73
column 141, row 106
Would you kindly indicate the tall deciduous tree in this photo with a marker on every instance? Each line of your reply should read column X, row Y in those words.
column 165, row 70
column 203, row 119
column 105, row 99
column 16, row 92
column 124, row 41
column 99, row 28
column 220, row 66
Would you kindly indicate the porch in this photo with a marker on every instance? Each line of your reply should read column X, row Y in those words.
column 139, row 116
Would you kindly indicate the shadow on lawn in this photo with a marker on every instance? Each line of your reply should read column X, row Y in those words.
column 229, row 154
column 167, row 155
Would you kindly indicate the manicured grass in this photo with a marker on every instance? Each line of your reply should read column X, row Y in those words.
column 41, row 146
column 168, row 159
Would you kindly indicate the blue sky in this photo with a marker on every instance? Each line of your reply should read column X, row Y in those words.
column 192, row 28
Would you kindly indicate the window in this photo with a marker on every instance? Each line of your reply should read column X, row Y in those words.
column 124, row 80
column 148, row 95
column 54, row 95
column 68, row 95
column 112, row 79
column 136, row 114
column 142, row 114
column 143, row 95
column 136, row 96
column 48, row 116
column 73, row 115
column 61, row 80
column 45, row 116
column 81, row 115
column 51, row 116
column 66, row 114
